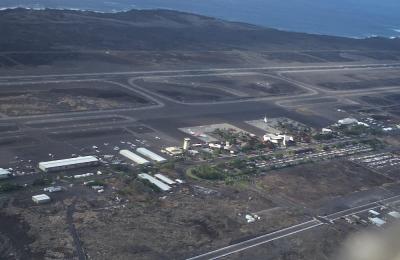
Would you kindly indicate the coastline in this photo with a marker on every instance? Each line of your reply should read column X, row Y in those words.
column 315, row 31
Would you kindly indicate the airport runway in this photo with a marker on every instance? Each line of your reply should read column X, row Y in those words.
column 164, row 103
column 165, row 114
column 110, row 75
column 362, row 208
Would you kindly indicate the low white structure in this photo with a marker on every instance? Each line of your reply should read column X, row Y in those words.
column 394, row 214
column 326, row 130
column 363, row 124
column 250, row 218
column 164, row 179
column 149, row 154
column 179, row 181
column 174, row 151
column 71, row 163
column 78, row 176
column 377, row 221
column 278, row 139
column 162, row 186
column 373, row 212
column 41, row 199
column 134, row 157
column 98, row 187
column 4, row 174
column 216, row 146
column 347, row 121
column 53, row 189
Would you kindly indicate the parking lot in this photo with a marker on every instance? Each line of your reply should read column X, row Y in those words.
column 386, row 163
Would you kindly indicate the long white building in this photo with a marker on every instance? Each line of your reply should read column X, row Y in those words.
column 133, row 157
column 164, row 179
column 149, row 154
column 4, row 174
column 71, row 163
column 162, row 186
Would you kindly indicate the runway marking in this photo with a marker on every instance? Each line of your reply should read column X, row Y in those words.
column 204, row 70
column 374, row 204
column 267, row 241
column 365, row 205
column 339, row 69
column 257, row 238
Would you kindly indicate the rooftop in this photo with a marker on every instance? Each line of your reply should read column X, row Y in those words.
column 347, row 121
column 133, row 157
column 164, row 179
column 156, row 182
column 71, row 161
column 394, row 214
column 377, row 221
column 40, row 197
column 150, row 154
column 4, row 171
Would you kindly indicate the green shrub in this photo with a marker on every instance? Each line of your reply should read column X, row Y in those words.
column 8, row 187
column 207, row 172
column 42, row 181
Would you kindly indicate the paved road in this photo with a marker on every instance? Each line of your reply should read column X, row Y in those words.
column 71, row 227
column 222, row 252
column 320, row 220
column 362, row 208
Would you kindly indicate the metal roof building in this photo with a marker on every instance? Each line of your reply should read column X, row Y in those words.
column 150, row 154
column 159, row 184
column 373, row 212
column 377, row 221
column 394, row 214
column 164, row 179
column 4, row 174
column 68, row 163
column 41, row 198
column 133, row 157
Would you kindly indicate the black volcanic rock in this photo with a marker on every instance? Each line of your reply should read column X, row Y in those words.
column 24, row 30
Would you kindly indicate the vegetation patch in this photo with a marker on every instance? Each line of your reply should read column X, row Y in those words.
column 8, row 187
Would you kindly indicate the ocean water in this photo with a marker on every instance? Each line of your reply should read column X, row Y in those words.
column 351, row 18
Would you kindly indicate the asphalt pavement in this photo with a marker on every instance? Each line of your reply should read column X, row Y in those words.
column 296, row 229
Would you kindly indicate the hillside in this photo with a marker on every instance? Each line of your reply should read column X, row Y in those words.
column 34, row 30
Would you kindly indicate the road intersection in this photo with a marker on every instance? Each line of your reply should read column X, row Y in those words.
column 290, row 231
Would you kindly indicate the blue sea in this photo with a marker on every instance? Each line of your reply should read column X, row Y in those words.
column 351, row 18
